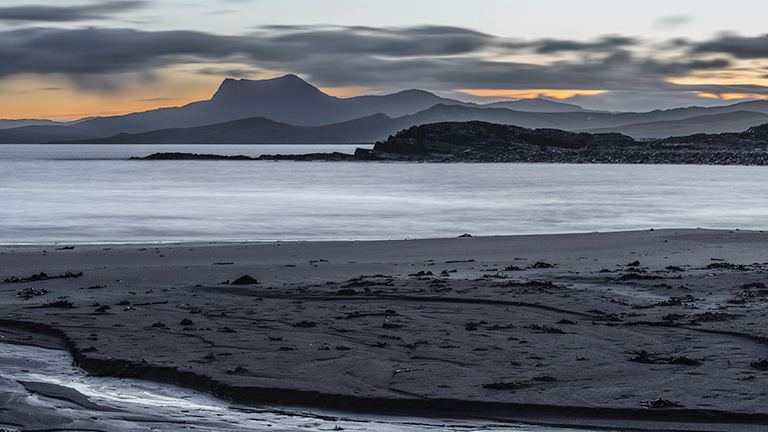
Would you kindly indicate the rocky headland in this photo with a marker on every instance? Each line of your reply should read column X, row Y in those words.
column 488, row 142
column 483, row 142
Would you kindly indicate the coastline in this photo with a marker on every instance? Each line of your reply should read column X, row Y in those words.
column 483, row 142
column 533, row 328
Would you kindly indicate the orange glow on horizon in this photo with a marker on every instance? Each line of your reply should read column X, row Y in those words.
column 66, row 112
column 532, row 93
column 720, row 81
column 733, row 96
column 56, row 98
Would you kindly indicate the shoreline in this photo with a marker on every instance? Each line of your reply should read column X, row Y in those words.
column 410, row 341
column 105, row 244
column 726, row 157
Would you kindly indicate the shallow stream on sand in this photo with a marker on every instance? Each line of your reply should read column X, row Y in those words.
column 32, row 377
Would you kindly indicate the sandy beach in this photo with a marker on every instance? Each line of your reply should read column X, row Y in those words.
column 664, row 329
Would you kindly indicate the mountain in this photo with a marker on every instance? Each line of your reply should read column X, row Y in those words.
column 9, row 124
column 680, row 121
column 260, row 130
column 708, row 124
column 41, row 134
column 402, row 103
column 379, row 126
column 616, row 120
column 287, row 99
column 366, row 129
column 536, row 105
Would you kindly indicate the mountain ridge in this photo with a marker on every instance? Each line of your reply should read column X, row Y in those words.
column 292, row 101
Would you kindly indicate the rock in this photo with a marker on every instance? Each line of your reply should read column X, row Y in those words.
column 305, row 324
column 661, row 403
column 502, row 385
column 245, row 280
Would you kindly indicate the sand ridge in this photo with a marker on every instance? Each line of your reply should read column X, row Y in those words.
column 665, row 324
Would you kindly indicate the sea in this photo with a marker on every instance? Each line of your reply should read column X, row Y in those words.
column 79, row 194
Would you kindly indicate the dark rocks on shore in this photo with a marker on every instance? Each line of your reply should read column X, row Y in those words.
column 650, row 358
column 61, row 303
column 245, row 280
column 661, row 403
column 760, row 365
column 41, row 277
column 503, row 385
column 305, row 324
column 28, row 293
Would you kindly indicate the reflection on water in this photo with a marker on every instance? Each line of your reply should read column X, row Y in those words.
column 136, row 405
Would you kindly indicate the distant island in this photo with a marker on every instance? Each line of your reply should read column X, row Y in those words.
column 483, row 142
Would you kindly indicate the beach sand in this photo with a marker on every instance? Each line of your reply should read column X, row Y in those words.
column 595, row 329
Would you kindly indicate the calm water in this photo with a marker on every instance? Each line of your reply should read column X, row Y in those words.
column 92, row 193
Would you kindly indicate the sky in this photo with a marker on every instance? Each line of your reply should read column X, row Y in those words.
column 69, row 59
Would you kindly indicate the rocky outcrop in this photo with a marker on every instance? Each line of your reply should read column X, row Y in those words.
column 487, row 142
column 457, row 137
column 484, row 142
column 753, row 138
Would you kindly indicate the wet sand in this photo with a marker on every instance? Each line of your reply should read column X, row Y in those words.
column 661, row 329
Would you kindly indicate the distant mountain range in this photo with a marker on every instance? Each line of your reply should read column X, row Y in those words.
column 290, row 110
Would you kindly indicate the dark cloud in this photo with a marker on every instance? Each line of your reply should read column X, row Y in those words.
column 605, row 43
column 404, row 42
column 68, row 13
column 436, row 58
column 102, row 51
column 228, row 72
column 737, row 46
column 681, row 68
column 617, row 59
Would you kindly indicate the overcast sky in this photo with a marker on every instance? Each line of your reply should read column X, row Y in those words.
column 66, row 59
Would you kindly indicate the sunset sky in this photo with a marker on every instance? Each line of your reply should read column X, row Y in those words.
column 68, row 59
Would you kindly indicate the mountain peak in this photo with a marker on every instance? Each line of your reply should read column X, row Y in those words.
column 287, row 86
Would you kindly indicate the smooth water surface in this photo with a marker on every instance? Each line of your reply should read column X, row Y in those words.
column 93, row 194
